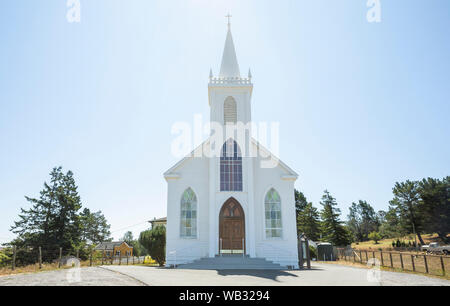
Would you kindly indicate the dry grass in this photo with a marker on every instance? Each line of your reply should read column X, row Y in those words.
column 364, row 266
column 384, row 258
column 387, row 243
column 35, row 268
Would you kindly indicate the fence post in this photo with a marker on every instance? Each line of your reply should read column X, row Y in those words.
column 127, row 259
column 367, row 256
column 426, row 263
column 14, row 258
column 78, row 253
column 360, row 256
column 60, row 257
column 133, row 260
column 390, row 257
column 40, row 258
column 413, row 265
column 308, row 256
column 382, row 260
column 301, row 260
column 442, row 265
column 373, row 254
column 401, row 261
column 120, row 258
column 90, row 258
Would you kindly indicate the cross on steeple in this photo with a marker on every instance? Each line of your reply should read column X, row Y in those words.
column 229, row 16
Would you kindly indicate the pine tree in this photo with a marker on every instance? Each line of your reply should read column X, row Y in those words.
column 406, row 204
column 308, row 222
column 94, row 227
column 332, row 228
column 53, row 220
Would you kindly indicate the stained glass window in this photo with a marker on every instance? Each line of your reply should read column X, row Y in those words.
column 230, row 167
column 272, row 205
column 188, row 218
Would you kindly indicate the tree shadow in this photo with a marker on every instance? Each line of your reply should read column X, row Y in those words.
column 268, row 274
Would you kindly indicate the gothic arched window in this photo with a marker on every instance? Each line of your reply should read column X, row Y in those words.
column 229, row 111
column 272, row 206
column 188, row 218
column 231, row 167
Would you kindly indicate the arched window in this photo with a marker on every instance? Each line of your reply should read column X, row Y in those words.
column 272, row 205
column 188, row 218
column 231, row 167
column 229, row 111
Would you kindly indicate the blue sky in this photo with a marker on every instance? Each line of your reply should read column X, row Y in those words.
column 361, row 105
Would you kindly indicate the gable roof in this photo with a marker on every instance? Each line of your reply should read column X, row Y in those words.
column 291, row 174
column 110, row 245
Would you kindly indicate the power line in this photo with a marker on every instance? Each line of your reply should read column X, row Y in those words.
column 127, row 227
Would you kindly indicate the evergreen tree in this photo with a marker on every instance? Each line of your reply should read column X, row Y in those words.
column 54, row 220
column 390, row 224
column 300, row 201
column 94, row 227
column 308, row 222
column 362, row 220
column 154, row 241
column 406, row 203
column 332, row 228
column 435, row 206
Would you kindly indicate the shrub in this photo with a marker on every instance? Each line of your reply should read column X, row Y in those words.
column 375, row 236
column 312, row 252
column 154, row 241
column 4, row 258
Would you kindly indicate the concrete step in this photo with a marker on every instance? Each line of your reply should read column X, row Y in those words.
column 232, row 263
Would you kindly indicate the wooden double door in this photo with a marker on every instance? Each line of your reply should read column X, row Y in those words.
column 232, row 228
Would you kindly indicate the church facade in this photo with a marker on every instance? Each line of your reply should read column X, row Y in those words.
column 231, row 195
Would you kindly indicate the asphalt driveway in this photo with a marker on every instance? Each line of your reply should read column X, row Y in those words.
column 321, row 275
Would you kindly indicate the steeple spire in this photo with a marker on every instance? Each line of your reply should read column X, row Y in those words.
column 230, row 66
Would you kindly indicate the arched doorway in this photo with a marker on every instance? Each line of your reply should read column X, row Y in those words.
column 232, row 228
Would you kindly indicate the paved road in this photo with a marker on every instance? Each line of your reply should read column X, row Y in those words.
column 322, row 274
column 91, row 276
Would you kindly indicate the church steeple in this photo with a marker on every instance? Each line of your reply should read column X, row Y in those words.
column 230, row 66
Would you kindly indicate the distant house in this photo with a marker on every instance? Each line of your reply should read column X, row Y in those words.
column 157, row 222
column 115, row 248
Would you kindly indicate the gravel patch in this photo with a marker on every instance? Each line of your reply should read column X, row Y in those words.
column 91, row 276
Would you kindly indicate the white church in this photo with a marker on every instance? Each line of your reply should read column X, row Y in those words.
column 225, row 198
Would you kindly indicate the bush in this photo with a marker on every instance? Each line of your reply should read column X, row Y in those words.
column 312, row 252
column 4, row 258
column 154, row 241
column 375, row 236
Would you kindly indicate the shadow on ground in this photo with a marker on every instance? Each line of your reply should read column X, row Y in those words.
column 268, row 274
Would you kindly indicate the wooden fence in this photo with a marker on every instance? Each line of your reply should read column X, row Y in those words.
column 40, row 257
column 405, row 261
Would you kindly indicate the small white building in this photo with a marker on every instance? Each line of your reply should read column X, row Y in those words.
column 231, row 195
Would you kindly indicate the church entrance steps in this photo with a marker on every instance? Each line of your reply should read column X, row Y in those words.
column 232, row 262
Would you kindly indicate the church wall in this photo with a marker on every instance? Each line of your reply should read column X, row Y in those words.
column 193, row 174
column 280, row 250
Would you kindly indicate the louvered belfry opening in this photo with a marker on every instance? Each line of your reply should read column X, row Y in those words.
column 230, row 111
